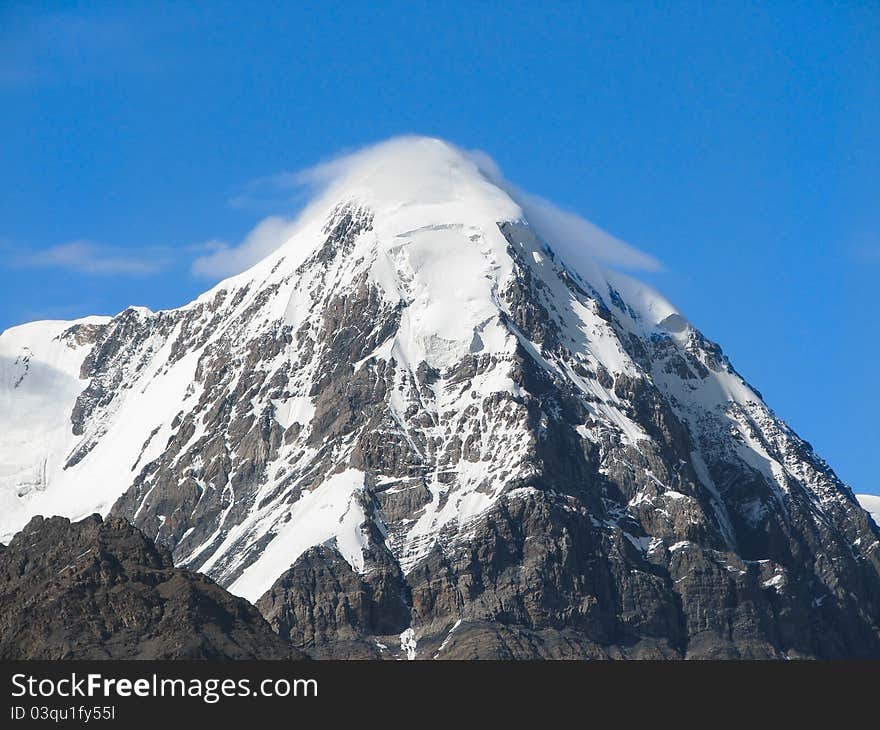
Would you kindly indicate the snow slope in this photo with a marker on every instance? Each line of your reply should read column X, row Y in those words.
column 39, row 384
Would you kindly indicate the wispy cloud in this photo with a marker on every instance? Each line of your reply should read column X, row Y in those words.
column 285, row 191
column 225, row 259
column 573, row 236
column 39, row 45
column 87, row 257
column 577, row 240
column 292, row 190
column 867, row 251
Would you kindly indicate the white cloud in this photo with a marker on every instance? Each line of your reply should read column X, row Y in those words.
column 92, row 258
column 571, row 235
column 581, row 243
column 227, row 260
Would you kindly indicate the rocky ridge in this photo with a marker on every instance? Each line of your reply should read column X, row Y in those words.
column 102, row 590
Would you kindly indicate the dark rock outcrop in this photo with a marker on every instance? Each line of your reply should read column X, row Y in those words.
column 102, row 590
column 324, row 607
column 540, row 580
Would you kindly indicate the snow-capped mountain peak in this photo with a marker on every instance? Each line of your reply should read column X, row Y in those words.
column 418, row 360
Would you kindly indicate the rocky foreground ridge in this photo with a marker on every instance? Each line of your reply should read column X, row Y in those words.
column 102, row 590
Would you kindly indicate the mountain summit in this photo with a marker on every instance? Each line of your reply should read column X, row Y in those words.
column 432, row 424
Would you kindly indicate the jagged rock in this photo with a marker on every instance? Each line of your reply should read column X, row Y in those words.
column 102, row 590
column 322, row 606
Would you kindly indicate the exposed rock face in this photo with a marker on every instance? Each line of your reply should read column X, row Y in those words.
column 538, row 578
column 417, row 430
column 101, row 590
column 325, row 607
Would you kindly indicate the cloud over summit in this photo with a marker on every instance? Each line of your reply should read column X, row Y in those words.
column 576, row 239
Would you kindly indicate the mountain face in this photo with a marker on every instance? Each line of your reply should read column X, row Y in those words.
column 422, row 428
column 102, row 590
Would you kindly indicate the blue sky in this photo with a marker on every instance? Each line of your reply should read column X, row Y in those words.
column 734, row 142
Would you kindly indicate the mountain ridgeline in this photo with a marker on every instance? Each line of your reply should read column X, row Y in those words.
column 425, row 428
column 102, row 590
